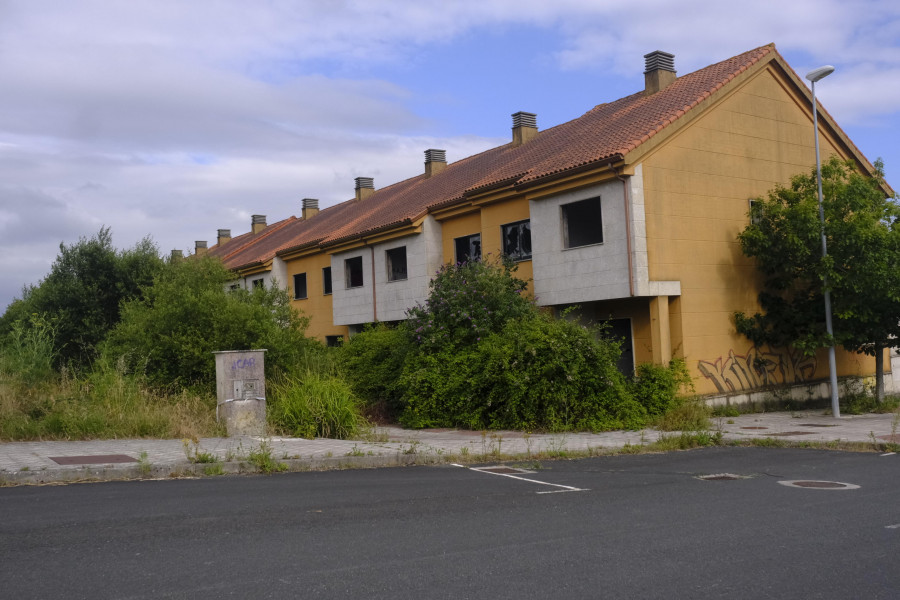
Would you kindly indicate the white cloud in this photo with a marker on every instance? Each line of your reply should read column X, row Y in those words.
column 177, row 118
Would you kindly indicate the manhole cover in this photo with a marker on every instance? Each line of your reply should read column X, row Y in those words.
column 816, row 425
column 96, row 459
column 721, row 477
column 786, row 433
column 502, row 470
column 819, row 485
column 754, row 427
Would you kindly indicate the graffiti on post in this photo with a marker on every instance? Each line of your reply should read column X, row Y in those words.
column 757, row 368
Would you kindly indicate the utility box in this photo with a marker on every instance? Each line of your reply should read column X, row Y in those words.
column 241, row 391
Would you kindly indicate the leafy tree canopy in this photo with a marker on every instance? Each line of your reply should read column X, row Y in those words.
column 82, row 294
column 862, row 268
column 187, row 314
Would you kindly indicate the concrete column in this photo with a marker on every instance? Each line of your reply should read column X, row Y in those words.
column 660, row 330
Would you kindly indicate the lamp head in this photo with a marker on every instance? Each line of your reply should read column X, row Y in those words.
column 820, row 73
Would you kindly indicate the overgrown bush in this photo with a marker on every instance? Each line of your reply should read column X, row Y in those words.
column 535, row 373
column 314, row 406
column 373, row 362
column 187, row 314
column 468, row 302
column 28, row 351
column 656, row 387
column 83, row 293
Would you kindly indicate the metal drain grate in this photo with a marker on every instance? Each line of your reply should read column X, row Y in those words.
column 816, row 425
column 754, row 427
column 819, row 485
column 95, row 459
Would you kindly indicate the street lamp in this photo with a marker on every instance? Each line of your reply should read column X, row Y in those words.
column 814, row 76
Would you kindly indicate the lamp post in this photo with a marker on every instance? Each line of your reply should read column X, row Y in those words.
column 814, row 76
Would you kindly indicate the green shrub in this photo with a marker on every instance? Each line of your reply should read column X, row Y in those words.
column 315, row 406
column 373, row 362
column 468, row 302
column 656, row 387
column 535, row 373
column 187, row 315
column 29, row 351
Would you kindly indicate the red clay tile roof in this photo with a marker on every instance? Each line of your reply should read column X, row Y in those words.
column 604, row 134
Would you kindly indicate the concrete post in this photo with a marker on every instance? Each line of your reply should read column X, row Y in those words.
column 241, row 391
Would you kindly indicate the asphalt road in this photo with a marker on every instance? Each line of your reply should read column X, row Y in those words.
column 634, row 527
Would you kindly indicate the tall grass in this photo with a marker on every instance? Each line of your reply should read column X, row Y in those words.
column 315, row 405
column 103, row 403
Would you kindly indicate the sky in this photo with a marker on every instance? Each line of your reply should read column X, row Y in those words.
column 172, row 118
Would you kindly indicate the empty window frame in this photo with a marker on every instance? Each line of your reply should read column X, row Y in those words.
column 582, row 223
column 517, row 240
column 258, row 283
column 353, row 271
column 468, row 248
column 333, row 341
column 299, row 286
column 396, row 263
column 234, row 286
column 326, row 281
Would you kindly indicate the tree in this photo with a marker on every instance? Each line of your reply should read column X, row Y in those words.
column 862, row 268
column 187, row 314
column 82, row 294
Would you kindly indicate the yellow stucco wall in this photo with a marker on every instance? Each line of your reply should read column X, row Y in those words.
column 697, row 188
column 317, row 305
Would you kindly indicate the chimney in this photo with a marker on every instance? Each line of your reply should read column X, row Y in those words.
column 365, row 187
column 224, row 235
column 176, row 256
column 257, row 223
column 310, row 208
column 524, row 128
column 435, row 161
column 659, row 71
column 200, row 248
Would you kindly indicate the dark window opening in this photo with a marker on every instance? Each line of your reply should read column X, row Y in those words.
column 300, row 286
column 326, row 281
column 517, row 240
column 332, row 341
column 234, row 286
column 468, row 248
column 257, row 283
column 353, row 269
column 396, row 263
column 583, row 224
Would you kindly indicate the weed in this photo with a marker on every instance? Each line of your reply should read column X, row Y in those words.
column 194, row 454
column 25, row 469
column 689, row 414
column 767, row 442
column 725, row 411
column 213, row 470
column 144, row 464
column 261, row 458
column 413, row 447
column 355, row 451
column 464, row 452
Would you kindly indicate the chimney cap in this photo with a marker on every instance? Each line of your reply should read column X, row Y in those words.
column 524, row 119
column 310, row 203
column 258, row 219
column 224, row 233
column 659, row 60
column 365, row 183
column 435, row 155
column 200, row 244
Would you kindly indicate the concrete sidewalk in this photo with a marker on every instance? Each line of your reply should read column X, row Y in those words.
column 102, row 460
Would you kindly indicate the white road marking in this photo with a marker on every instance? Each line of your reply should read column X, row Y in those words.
column 897, row 526
column 889, row 454
column 565, row 488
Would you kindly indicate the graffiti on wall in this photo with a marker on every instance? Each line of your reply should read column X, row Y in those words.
column 757, row 368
